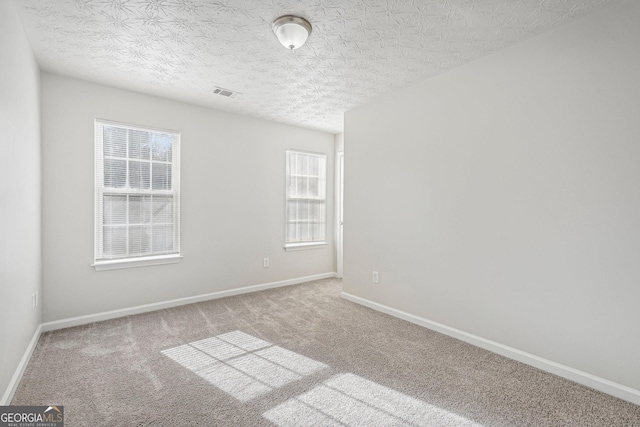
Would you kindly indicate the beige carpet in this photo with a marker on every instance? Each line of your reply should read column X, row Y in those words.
column 294, row 356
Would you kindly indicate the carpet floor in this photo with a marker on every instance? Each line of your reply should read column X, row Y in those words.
column 294, row 356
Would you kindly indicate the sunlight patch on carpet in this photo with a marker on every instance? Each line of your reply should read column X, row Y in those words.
column 350, row 400
column 242, row 365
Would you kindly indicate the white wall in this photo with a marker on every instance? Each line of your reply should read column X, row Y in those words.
column 503, row 198
column 339, row 141
column 339, row 151
column 20, row 208
column 232, row 202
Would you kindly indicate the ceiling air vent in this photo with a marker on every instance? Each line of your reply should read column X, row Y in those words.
column 225, row 92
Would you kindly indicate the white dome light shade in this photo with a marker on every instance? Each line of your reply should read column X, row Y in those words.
column 291, row 31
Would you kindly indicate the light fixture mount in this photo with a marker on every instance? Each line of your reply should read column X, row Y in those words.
column 291, row 31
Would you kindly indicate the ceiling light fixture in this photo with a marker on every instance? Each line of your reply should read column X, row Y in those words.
column 291, row 31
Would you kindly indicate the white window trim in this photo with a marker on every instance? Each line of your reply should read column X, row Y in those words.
column 114, row 264
column 142, row 261
column 305, row 245
column 317, row 244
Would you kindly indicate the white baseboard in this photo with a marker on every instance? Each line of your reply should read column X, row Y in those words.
column 90, row 318
column 17, row 376
column 83, row 320
column 618, row 390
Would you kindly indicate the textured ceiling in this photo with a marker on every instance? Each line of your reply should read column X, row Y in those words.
column 183, row 49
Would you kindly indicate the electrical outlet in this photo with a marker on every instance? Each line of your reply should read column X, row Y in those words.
column 376, row 277
column 33, row 301
column 265, row 263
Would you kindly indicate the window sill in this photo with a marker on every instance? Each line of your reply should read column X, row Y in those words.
column 115, row 264
column 304, row 246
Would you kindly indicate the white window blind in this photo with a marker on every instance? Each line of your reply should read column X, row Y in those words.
column 137, row 192
column 305, row 198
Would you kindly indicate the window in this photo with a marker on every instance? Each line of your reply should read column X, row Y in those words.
column 137, row 196
column 306, row 199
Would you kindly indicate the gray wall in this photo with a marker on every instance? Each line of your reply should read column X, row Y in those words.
column 503, row 198
column 232, row 201
column 20, row 208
